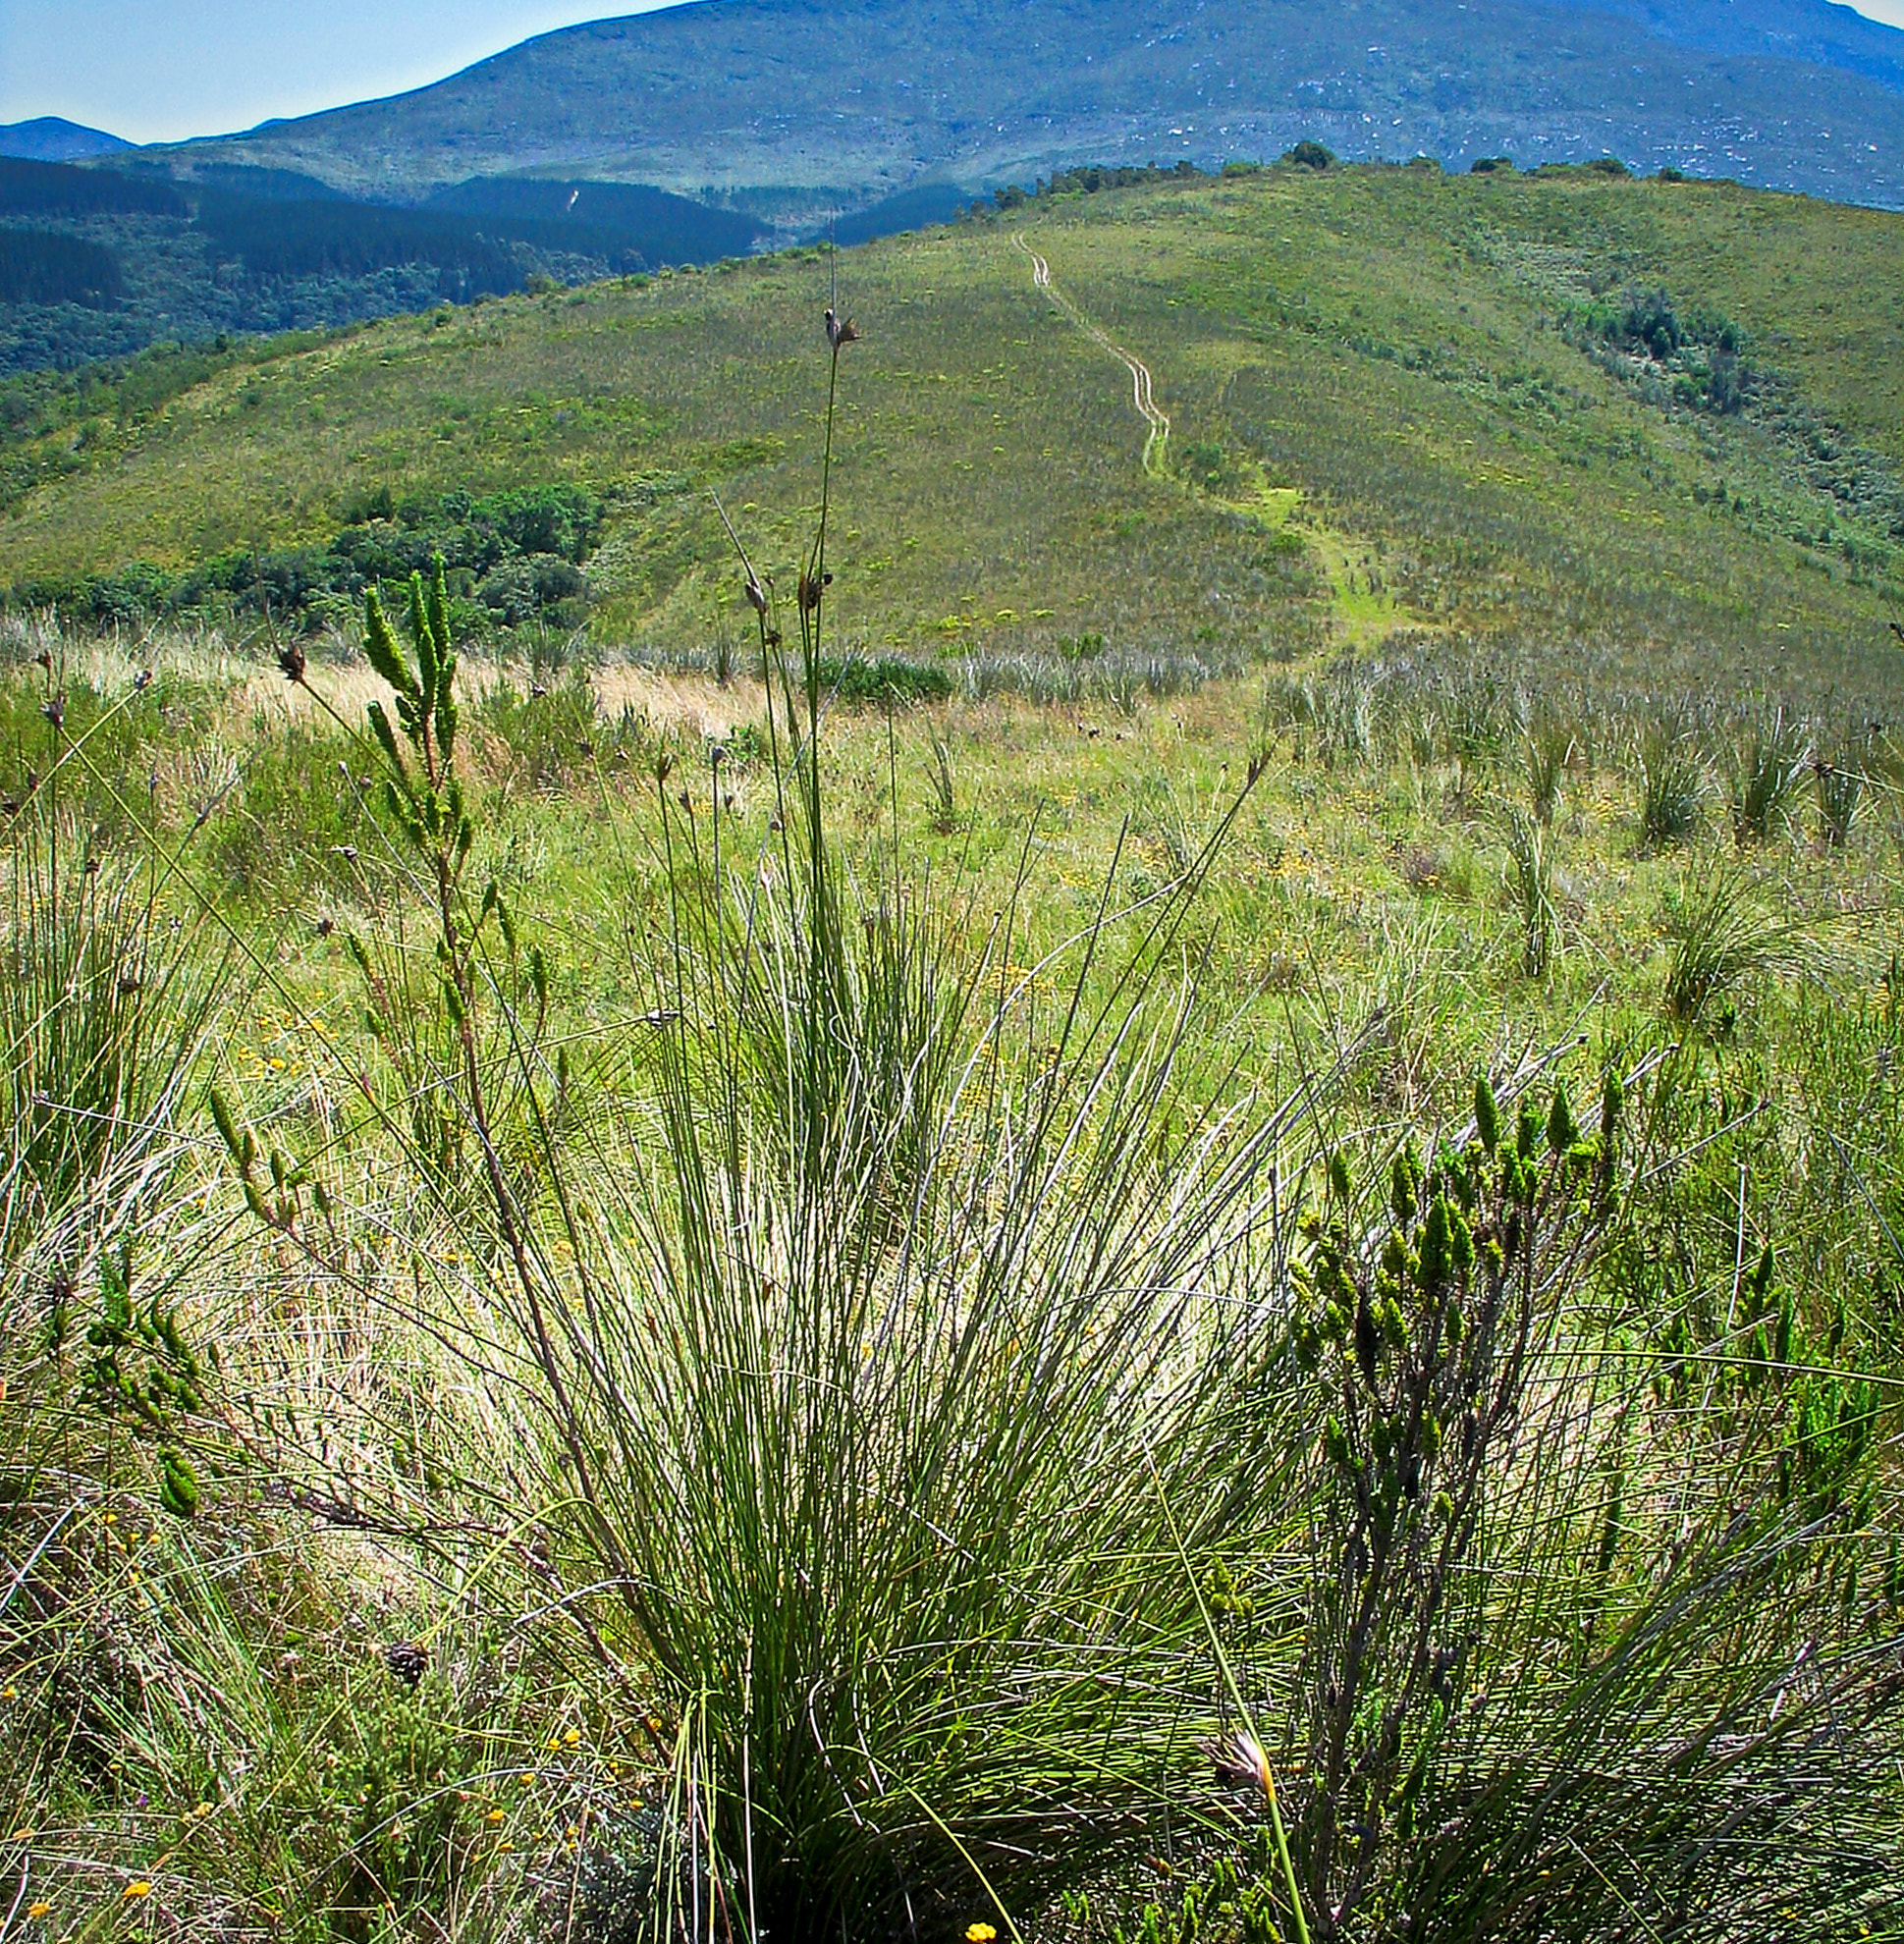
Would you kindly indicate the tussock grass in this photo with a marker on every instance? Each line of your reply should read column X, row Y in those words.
column 1770, row 775
column 1673, row 783
column 1722, row 936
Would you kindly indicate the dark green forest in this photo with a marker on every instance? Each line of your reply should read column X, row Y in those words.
column 510, row 559
column 42, row 267
column 59, row 189
column 96, row 263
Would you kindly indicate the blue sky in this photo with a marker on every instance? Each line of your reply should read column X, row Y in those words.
column 163, row 70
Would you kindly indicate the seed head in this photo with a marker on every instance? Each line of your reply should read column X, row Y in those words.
column 1239, row 1761
column 291, row 658
column 55, row 710
column 406, row 1661
column 840, row 333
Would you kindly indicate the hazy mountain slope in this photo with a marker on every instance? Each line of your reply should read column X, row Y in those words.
column 50, row 139
column 864, row 96
column 1449, row 408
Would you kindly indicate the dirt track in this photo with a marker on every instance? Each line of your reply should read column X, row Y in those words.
column 1141, row 397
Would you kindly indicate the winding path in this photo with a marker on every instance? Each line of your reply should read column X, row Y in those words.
column 1148, row 409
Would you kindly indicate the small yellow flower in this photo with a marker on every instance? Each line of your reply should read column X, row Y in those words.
column 497, row 1815
column 22, row 1835
column 979, row 1933
column 528, row 1775
column 138, row 1887
column 9, row 1694
column 40, row 1910
column 572, row 1738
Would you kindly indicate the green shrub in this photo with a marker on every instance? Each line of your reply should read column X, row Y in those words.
column 883, row 680
column 295, row 819
column 552, row 738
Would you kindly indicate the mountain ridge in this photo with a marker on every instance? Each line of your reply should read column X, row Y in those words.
column 53, row 138
column 860, row 98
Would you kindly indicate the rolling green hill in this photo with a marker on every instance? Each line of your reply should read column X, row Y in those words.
column 853, row 99
column 1649, row 430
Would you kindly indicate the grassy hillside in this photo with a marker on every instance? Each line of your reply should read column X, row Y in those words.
column 853, row 99
column 1402, row 404
column 1239, row 1310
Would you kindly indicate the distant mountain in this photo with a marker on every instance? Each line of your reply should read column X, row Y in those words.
column 851, row 101
column 51, row 139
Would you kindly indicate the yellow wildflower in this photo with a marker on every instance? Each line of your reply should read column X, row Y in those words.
column 138, row 1887
column 979, row 1933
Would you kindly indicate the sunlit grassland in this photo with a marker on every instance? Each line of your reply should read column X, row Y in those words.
column 1385, row 343
column 212, row 1713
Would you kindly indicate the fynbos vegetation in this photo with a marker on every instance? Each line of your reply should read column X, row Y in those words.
column 623, row 1325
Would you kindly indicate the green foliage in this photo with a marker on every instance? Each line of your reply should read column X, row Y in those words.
column 883, row 680
column 554, row 738
column 1720, row 936
column 296, row 819
column 513, row 559
column 1548, row 749
column 1772, row 766
column 1530, row 881
column 942, row 779
column 1673, row 784
column 99, row 1025
column 1840, row 789
column 1702, row 357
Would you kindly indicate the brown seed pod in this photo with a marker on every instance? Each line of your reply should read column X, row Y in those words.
column 406, row 1661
